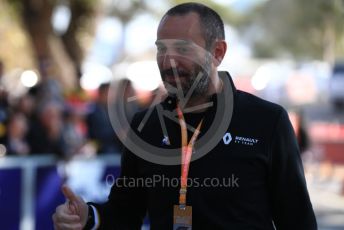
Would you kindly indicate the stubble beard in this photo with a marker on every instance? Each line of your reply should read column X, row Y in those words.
column 202, row 82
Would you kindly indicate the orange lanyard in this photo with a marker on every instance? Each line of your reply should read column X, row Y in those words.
column 187, row 149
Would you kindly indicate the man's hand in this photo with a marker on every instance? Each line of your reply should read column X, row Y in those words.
column 71, row 215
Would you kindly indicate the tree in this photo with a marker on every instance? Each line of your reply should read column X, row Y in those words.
column 302, row 28
column 227, row 14
column 14, row 47
column 49, row 48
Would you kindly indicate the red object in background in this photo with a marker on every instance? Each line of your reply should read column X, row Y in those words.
column 327, row 132
column 330, row 136
column 334, row 152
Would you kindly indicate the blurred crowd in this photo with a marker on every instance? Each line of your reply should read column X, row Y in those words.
column 45, row 120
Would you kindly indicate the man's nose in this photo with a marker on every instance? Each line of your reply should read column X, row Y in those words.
column 168, row 61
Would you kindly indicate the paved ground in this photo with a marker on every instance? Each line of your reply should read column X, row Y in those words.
column 327, row 198
column 326, row 180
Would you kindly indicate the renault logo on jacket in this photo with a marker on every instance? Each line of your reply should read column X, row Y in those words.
column 227, row 138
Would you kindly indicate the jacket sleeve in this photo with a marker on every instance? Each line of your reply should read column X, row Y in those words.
column 291, row 206
column 126, row 205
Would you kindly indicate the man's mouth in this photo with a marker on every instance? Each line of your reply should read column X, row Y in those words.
column 173, row 80
column 173, row 73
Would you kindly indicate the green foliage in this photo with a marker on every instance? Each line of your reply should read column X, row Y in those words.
column 304, row 28
column 225, row 11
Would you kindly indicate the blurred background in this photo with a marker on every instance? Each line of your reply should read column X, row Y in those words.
column 59, row 58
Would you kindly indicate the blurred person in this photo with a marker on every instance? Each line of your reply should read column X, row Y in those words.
column 45, row 135
column 48, row 88
column 124, row 91
column 74, row 132
column 99, row 126
column 1, row 69
column 298, row 123
column 4, row 105
column 132, row 106
column 15, row 138
column 258, row 147
column 26, row 104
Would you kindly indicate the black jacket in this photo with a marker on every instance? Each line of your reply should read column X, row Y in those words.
column 259, row 180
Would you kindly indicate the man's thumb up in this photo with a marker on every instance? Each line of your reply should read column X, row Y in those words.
column 72, row 214
column 72, row 200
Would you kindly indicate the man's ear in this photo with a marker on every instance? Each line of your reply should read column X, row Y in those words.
column 220, row 48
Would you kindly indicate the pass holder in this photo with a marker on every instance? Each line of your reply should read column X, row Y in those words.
column 182, row 217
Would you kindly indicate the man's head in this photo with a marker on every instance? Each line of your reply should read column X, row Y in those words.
column 190, row 43
column 212, row 27
column 103, row 93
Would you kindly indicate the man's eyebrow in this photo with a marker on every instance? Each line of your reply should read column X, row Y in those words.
column 175, row 43
column 182, row 42
column 158, row 42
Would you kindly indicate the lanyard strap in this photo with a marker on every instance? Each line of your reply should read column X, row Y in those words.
column 187, row 149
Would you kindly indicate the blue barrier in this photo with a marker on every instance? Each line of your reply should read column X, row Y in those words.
column 10, row 190
column 30, row 187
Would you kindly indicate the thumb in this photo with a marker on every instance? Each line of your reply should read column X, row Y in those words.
column 71, row 197
column 68, row 193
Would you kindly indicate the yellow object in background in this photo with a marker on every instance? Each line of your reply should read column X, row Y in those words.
column 2, row 130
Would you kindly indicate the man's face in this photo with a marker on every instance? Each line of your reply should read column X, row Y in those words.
column 182, row 59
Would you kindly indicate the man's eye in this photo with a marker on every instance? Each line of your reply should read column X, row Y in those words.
column 161, row 49
column 183, row 49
